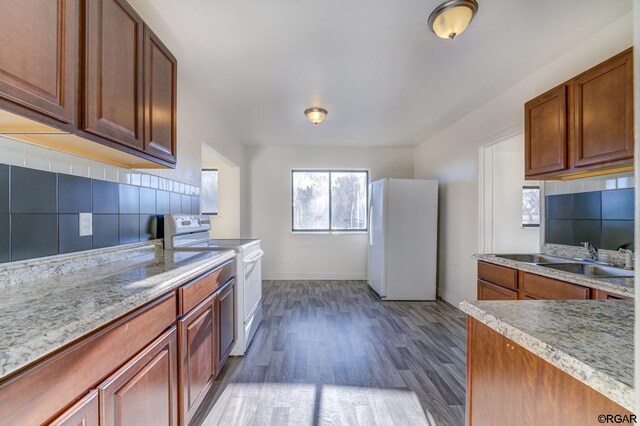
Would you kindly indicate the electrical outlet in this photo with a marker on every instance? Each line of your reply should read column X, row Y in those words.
column 86, row 224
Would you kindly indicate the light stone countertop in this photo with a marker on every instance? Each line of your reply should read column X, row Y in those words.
column 41, row 315
column 619, row 286
column 592, row 340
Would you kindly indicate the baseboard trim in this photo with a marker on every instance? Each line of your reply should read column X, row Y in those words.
column 449, row 298
column 314, row 277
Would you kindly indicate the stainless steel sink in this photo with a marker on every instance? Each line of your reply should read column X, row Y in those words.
column 591, row 270
column 533, row 258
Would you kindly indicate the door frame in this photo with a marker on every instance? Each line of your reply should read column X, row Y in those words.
column 485, row 195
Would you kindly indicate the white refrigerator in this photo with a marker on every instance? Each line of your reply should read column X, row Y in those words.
column 403, row 238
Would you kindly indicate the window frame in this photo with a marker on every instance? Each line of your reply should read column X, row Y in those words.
column 329, row 230
column 533, row 225
column 210, row 169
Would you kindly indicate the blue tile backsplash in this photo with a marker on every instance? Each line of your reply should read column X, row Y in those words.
column 39, row 212
column 604, row 218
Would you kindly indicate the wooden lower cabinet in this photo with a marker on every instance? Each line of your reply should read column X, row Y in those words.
column 488, row 291
column 605, row 295
column 84, row 413
column 198, row 356
column 501, row 283
column 145, row 390
column 226, row 306
column 539, row 287
column 507, row 384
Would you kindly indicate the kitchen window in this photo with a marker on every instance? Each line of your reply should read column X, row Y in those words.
column 530, row 206
column 209, row 193
column 329, row 200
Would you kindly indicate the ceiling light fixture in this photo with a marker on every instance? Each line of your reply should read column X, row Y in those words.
column 452, row 17
column 315, row 115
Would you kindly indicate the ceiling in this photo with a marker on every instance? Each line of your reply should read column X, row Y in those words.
column 385, row 79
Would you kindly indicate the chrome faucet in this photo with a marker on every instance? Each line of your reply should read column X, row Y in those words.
column 628, row 258
column 593, row 251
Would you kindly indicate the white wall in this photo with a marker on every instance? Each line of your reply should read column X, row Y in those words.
column 451, row 155
column 502, row 176
column 226, row 224
column 311, row 256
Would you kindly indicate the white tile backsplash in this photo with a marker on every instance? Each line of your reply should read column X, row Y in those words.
column 37, row 158
column 80, row 167
column 598, row 183
column 97, row 170
column 60, row 162
column 17, row 153
column 12, row 152
column 111, row 173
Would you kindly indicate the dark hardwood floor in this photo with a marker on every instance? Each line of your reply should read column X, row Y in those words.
column 330, row 352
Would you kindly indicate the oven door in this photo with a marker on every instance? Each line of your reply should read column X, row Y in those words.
column 252, row 282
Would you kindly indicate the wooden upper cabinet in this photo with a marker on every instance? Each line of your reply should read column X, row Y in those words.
column 546, row 132
column 145, row 390
column 38, row 58
column 160, row 79
column 584, row 126
column 603, row 112
column 113, row 85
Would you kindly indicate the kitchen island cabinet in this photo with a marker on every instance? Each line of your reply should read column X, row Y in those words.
column 536, row 362
column 507, row 384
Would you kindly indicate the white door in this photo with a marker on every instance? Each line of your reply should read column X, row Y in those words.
column 376, row 252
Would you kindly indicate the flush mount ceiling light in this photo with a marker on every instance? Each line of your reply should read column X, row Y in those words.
column 452, row 17
column 315, row 115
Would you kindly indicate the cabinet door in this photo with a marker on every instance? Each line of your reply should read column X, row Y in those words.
column 84, row 413
column 539, row 287
column 488, row 291
column 145, row 390
column 545, row 134
column 603, row 113
column 38, row 57
column 226, row 304
column 160, row 81
column 198, row 355
column 113, row 92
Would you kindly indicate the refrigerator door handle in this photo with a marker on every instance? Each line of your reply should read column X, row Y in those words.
column 370, row 225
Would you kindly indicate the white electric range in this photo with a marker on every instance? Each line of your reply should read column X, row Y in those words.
column 191, row 233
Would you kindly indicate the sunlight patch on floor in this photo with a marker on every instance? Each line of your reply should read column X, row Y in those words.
column 316, row 404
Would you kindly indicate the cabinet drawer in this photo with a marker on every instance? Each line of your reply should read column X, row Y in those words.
column 488, row 291
column 191, row 294
column 64, row 377
column 550, row 289
column 605, row 295
column 500, row 275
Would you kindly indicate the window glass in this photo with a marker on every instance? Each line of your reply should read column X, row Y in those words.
column 349, row 200
column 310, row 200
column 209, row 193
column 325, row 200
column 531, row 206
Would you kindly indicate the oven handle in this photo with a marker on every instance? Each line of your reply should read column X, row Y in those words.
column 253, row 258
